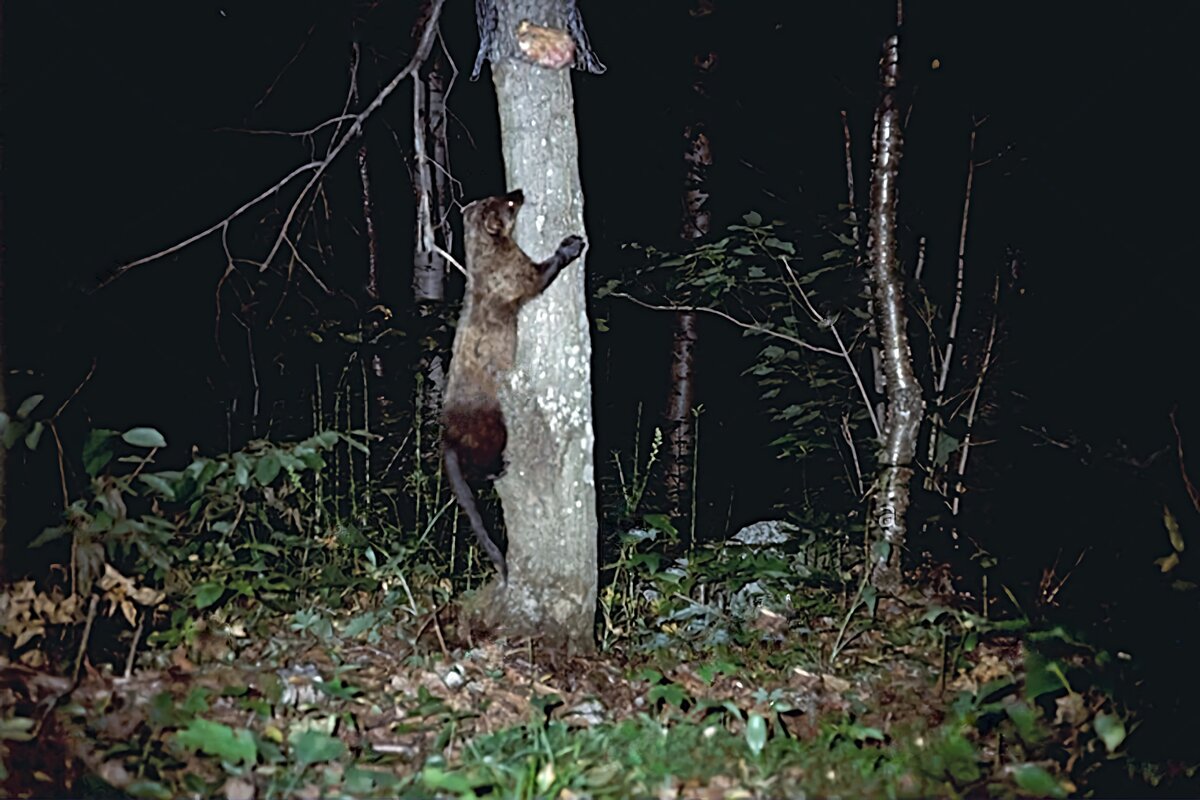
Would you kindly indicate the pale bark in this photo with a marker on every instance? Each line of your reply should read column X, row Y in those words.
column 886, row 524
column 548, row 492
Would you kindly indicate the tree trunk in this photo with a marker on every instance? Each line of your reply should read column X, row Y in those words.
column 681, row 426
column 886, row 526
column 695, row 224
column 548, row 492
column 433, row 199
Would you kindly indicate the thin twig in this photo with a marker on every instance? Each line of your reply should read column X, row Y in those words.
column 756, row 328
column 1192, row 492
column 287, row 66
column 983, row 370
column 850, row 198
column 952, row 334
column 858, row 476
column 414, row 63
column 317, row 168
column 826, row 322
column 62, row 468
column 137, row 635
column 119, row 271
column 340, row 118
column 452, row 260
column 76, row 392
column 87, row 633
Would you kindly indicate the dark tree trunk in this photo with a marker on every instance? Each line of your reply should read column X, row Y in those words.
column 695, row 223
column 886, row 524
column 548, row 492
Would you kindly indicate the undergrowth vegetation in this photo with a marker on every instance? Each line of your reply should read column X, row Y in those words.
column 267, row 623
column 282, row 650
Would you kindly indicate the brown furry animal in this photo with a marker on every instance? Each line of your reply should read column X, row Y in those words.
column 500, row 279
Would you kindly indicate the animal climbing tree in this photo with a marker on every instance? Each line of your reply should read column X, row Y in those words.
column 548, row 492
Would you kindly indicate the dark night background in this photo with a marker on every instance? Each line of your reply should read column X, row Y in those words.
column 114, row 149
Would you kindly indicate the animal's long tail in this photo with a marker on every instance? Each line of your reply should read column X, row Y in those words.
column 466, row 499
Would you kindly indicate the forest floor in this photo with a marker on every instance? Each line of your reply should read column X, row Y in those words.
column 916, row 700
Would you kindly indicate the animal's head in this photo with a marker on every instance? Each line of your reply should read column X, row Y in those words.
column 494, row 215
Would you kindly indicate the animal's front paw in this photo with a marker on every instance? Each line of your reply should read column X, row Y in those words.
column 571, row 247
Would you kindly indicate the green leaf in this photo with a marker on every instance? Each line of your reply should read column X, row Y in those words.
column 1035, row 781
column 340, row 689
column 98, row 449
column 149, row 789
column 756, row 733
column 13, row 430
column 207, row 593
column 709, row 672
column 753, row 218
column 360, row 624
column 241, row 470
column 456, row 784
column 947, row 446
column 144, row 437
column 649, row 674
column 670, row 693
column 267, row 469
column 26, row 408
column 779, row 244
column 215, row 739
column 1111, row 730
column 159, row 484
column 49, row 535
column 1025, row 719
column 864, row 733
column 313, row 747
column 1173, row 530
column 360, row 781
column 870, row 599
column 17, row 729
column 934, row 613
column 660, row 522
column 34, row 436
column 1041, row 676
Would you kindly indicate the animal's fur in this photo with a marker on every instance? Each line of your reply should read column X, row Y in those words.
column 500, row 279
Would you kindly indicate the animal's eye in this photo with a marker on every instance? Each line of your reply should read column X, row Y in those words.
column 511, row 204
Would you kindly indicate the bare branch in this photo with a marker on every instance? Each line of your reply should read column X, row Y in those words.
column 1192, row 492
column 826, row 322
column 850, row 196
column 119, row 271
column 452, row 260
column 846, row 434
column 414, row 63
column 317, row 168
column 975, row 393
column 754, row 327
column 952, row 335
column 287, row 66
column 340, row 118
